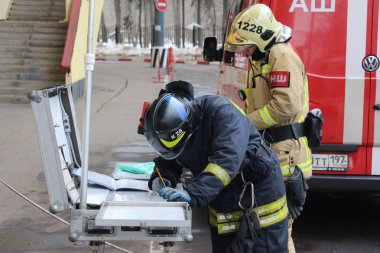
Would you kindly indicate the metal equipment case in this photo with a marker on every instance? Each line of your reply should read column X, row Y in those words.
column 122, row 215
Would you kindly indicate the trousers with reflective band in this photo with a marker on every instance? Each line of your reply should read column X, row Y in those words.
column 269, row 214
column 292, row 153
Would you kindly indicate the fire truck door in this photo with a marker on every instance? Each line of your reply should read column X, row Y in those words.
column 332, row 38
column 371, row 63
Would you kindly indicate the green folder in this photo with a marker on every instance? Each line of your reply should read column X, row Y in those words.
column 136, row 168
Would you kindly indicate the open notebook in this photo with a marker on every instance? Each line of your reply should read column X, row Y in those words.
column 95, row 178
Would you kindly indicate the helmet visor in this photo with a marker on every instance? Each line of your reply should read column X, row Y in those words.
column 172, row 126
column 170, row 113
column 234, row 40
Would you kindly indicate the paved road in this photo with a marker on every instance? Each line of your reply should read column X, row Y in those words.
column 328, row 225
column 119, row 90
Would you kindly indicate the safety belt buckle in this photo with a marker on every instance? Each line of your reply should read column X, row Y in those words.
column 295, row 131
column 267, row 137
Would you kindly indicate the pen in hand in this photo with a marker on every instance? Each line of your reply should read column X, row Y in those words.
column 159, row 174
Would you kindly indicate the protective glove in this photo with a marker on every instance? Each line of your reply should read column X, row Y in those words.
column 172, row 194
column 296, row 187
column 157, row 184
column 294, row 209
column 296, row 190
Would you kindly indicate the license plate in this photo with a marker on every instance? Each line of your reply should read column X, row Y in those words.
column 330, row 162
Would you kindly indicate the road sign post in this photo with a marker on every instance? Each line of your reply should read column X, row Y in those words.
column 159, row 23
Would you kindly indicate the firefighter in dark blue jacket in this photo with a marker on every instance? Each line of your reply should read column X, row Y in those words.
column 235, row 174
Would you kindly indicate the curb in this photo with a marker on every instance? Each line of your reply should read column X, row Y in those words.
column 150, row 60
column 125, row 59
column 112, row 59
column 203, row 62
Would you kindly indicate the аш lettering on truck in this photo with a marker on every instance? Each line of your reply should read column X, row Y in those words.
column 338, row 41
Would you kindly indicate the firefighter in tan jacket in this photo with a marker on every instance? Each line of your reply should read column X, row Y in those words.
column 277, row 96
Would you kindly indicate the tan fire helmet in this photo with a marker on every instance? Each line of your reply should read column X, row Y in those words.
column 254, row 25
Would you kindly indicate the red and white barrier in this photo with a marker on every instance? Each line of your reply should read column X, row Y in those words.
column 159, row 57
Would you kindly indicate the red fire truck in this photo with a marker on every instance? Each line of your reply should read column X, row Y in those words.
column 338, row 42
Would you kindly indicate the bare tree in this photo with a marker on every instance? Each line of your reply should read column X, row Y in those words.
column 147, row 22
column 213, row 16
column 137, row 19
column 209, row 9
column 140, row 6
column 183, row 23
column 103, row 30
column 151, row 15
column 118, row 22
column 129, row 21
column 225, row 10
column 196, row 31
column 199, row 21
column 176, row 19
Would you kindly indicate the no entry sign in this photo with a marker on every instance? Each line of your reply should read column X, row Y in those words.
column 162, row 5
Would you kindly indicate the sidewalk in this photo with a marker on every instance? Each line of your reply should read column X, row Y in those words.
column 119, row 89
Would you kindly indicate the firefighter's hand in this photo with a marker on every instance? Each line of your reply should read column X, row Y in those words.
column 294, row 209
column 172, row 194
column 157, row 184
column 296, row 191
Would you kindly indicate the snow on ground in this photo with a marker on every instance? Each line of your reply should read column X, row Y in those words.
column 113, row 50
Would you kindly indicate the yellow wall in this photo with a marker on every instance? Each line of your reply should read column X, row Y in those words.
column 77, row 65
column 5, row 5
column 68, row 8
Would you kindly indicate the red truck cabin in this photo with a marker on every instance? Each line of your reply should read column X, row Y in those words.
column 338, row 42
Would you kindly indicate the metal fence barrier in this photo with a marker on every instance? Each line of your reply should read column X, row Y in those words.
column 174, row 35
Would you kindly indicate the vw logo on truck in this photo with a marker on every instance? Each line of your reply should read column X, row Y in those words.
column 370, row 63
